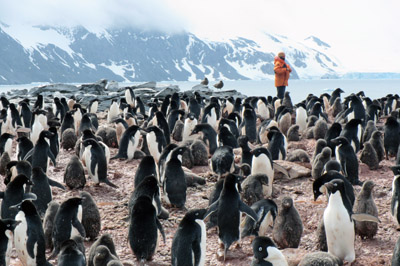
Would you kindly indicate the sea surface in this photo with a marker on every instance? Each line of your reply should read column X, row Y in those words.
column 299, row 89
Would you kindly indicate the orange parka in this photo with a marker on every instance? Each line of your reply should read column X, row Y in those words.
column 282, row 73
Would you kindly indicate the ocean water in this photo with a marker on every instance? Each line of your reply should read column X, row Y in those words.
column 299, row 89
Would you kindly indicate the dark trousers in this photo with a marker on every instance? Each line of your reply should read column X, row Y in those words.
column 281, row 91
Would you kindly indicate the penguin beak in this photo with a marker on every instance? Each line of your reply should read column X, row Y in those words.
column 329, row 186
column 143, row 131
column 14, row 207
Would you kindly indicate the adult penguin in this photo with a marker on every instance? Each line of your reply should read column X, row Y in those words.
column 194, row 107
column 14, row 194
column 41, row 153
column 301, row 117
column 266, row 253
column 247, row 156
column 174, row 116
column 189, row 124
column 228, row 207
column 147, row 187
column 391, row 136
column 189, row 243
column 85, row 123
column 223, row 161
column 96, row 162
column 153, row 108
column 348, row 159
column 335, row 94
column 15, row 117
column 319, row 189
column 332, row 133
column 128, row 143
column 229, row 124
column 113, row 111
column 15, row 168
column 210, row 115
column 67, row 223
column 6, row 143
column 93, row 106
column 395, row 202
column 143, row 226
column 356, row 109
column 70, row 254
column 24, row 146
column 130, row 96
column 160, row 121
column 41, row 188
column 277, row 144
column 262, row 164
column 173, row 181
column 249, row 125
column 339, row 222
column 54, row 141
column 29, row 235
column 353, row 131
column 263, row 108
column 39, row 103
column 165, row 156
column 147, row 167
column 209, row 136
column 155, row 141
column 7, row 227
column 26, row 114
column 68, row 122
column 226, row 138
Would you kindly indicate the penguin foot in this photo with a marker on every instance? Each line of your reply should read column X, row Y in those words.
column 358, row 183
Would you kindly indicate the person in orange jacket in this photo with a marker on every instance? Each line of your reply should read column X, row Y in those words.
column 282, row 72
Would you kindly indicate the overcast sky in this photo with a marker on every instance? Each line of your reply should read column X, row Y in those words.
column 364, row 34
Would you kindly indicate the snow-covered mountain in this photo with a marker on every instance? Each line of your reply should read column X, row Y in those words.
column 42, row 53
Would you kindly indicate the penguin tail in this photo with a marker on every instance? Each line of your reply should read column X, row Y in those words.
column 142, row 262
column 225, row 251
column 110, row 184
column 54, row 254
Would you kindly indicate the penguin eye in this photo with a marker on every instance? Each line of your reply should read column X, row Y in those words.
column 197, row 214
column 260, row 249
column 335, row 184
column 8, row 225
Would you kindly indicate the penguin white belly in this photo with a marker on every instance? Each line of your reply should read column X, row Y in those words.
column 188, row 128
column 337, row 154
column 43, row 121
column 133, row 145
column 265, row 224
column 229, row 107
column 8, row 147
column 113, row 112
column 263, row 111
column 74, row 231
column 275, row 257
column 350, row 116
column 77, row 120
column 106, row 151
column 36, row 129
column 262, row 165
column 212, row 118
column 21, row 238
column 128, row 97
column 10, row 237
column 93, row 108
column 339, row 229
column 202, row 242
column 396, row 205
column 153, row 145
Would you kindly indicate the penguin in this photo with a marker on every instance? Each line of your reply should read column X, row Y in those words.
column 394, row 206
column 26, row 114
column 37, row 126
column 353, row 131
column 103, row 256
column 4, row 161
column 29, row 236
column 335, row 95
column 301, row 117
column 130, row 96
column 288, row 226
column 41, row 188
column 85, row 123
column 67, row 223
column 228, row 207
column 332, row 165
column 96, row 162
column 113, row 111
column 249, row 125
column 318, row 111
column 48, row 222
column 190, row 123
column 173, row 181
column 15, row 168
column 320, row 258
column 226, row 138
column 337, row 107
column 254, row 188
column 223, row 161
column 68, row 122
column 15, row 117
column 146, row 167
column 293, row 133
column 200, row 153
column 209, row 136
column 165, row 155
column 373, row 110
column 320, row 161
column 365, row 204
column 7, row 227
column 210, row 115
column 174, row 116
column 266, row 210
column 24, row 146
column 262, row 164
column 155, row 142
column 160, row 121
column 368, row 130
column 247, row 156
column 143, row 226
column 93, row 106
column 320, row 129
column 298, row 155
column 348, row 159
column 91, row 219
column 194, row 107
column 58, row 109
column 214, row 195
column 41, row 153
column 396, row 254
column 6, row 143
column 54, row 141
column 70, row 254
column 108, row 136
column 369, row 156
column 277, row 144
column 391, row 136
column 74, row 175
column 263, row 109
column 104, row 240
column 39, row 103
column 332, row 133
column 377, row 142
column 229, row 124
column 330, row 175
column 14, row 194
column 189, row 242
column 266, row 253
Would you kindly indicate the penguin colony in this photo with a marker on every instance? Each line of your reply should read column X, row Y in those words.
column 231, row 142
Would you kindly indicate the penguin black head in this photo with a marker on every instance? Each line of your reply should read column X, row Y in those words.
column 243, row 141
column 46, row 134
column 260, row 150
column 150, row 181
column 8, row 224
column 340, row 141
column 332, row 165
column 335, row 185
column 21, row 179
column 73, row 201
column 88, row 142
column 195, row 214
column 260, row 247
column 6, row 136
column 233, row 181
column 287, row 203
column 102, row 253
column 26, row 206
column 395, row 170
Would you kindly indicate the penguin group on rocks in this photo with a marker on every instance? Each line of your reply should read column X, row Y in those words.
column 165, row 179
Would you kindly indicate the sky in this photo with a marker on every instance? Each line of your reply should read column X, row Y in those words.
column 364, row 34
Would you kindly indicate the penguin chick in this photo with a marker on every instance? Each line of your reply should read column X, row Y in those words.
column 319, row 162
column 288, row 226
column 366, row 204
column 48, row 223
column 222, row 160
column 102, row 256
column 74, row 175
column 377, row 142
column 298, row 155
column 320, row 258
column 320, row 129
column 266, row 253
column 91, row 219
column 369, row 156
column 68, row 139
column 255, row 188
column 104, row 240
column 293, row 133
column 70, row 254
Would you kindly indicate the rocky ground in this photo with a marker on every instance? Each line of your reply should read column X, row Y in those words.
column 113, row 208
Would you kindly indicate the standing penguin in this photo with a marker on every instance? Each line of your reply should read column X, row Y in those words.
column 288, row 226
column 277, row 144
column 29, row 236
column 67, row 223
column 190, row 123
column 130, row 96
column 128, row 143
column 348, row 159
column 365, row 204
column 229, row 207
column 335, row 94
column 226, row 138
column 74, row 175
column 160, row 121
column 262, row 164
column 155, row 141
column 91, row 219
column 7, row 227
column 143, row 226
column 113, row 112
column 70, row 254
column 48, row 223
column 266, row 253
column 332, row 133
column 301, row 117
column 223, row 161
column 146, row 168
column 391, row 136
column 96, row 162
column 6, row 143
column 320, row 161
column 41, row 153
column 353, row 131
column 249, row 125
column 209, row 135
column 24, row 146
column 104, row 240
column 247, row 156
column 26, row 114
column 395, row 202
column 189, row 243
column 210, row 115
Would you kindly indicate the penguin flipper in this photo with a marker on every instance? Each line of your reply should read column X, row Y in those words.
column 54, row 183
column 249, row 211
column 29, row 154
column 159, row 226
column 196, row 251
column 2, row 195
column 108, row 182
column 281, row 169
column 30, row 196
column 52, row 157
column 364, row 217
column 212, row 208
column 77, row 224
column 30, row 244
